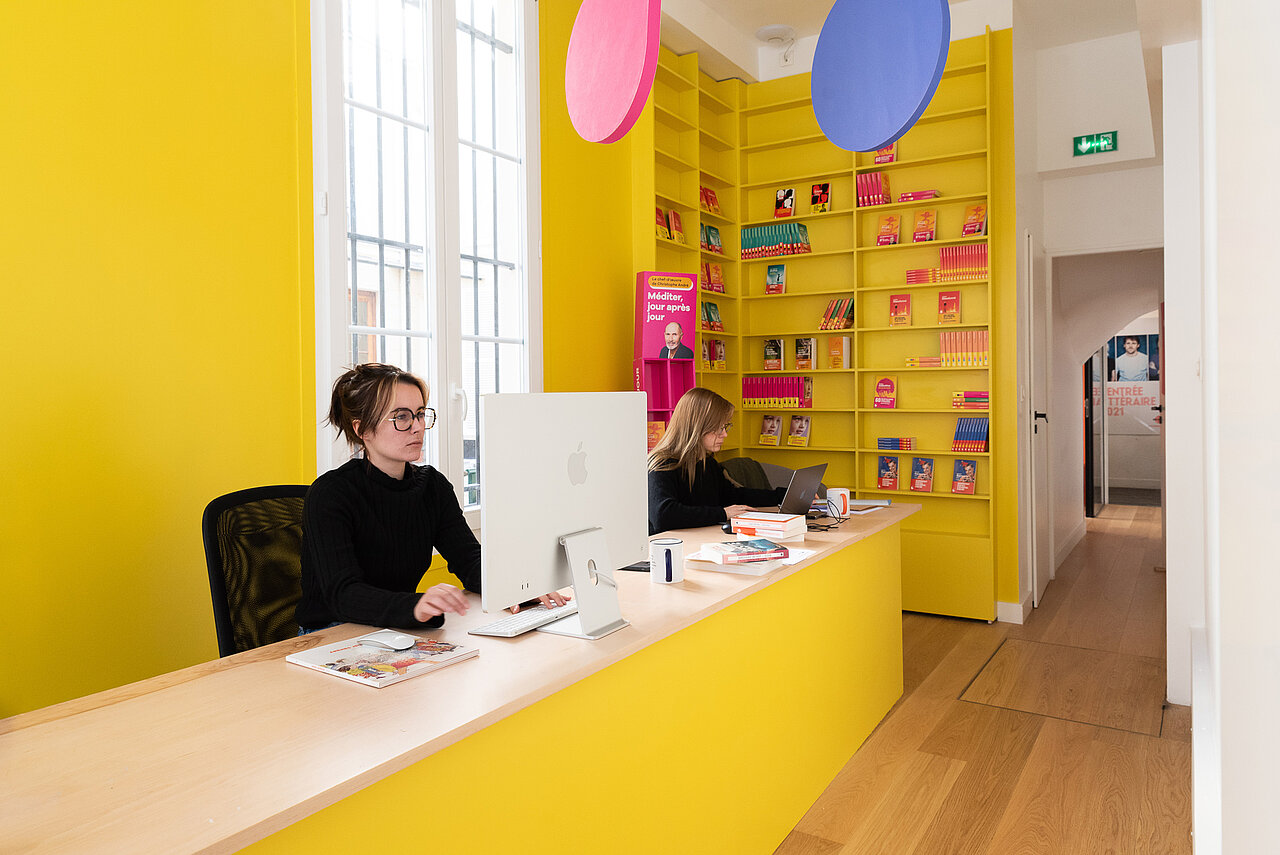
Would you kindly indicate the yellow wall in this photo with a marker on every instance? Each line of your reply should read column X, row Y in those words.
column 588, row 279
column 155, row 167
column 1004, row 305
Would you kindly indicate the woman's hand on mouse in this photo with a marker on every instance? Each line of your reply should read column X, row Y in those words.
column 733, row 510
column 440, row 599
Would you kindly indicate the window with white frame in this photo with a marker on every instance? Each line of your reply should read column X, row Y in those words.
column 427, row 238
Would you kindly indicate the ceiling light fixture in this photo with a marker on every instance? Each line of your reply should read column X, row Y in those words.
column 779, row 36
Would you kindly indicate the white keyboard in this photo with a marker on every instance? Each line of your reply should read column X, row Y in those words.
column 525, row 620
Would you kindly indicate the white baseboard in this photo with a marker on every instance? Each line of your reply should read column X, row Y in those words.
column 1068, row 543
column 1206, row 750
column 1014, row 612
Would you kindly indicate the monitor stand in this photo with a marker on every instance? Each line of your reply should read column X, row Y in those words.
column 594, row 588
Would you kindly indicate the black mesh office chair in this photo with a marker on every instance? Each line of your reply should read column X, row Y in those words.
column 253, row 546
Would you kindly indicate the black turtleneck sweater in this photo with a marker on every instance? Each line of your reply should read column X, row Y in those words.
column 674, row 504
column 367, row 540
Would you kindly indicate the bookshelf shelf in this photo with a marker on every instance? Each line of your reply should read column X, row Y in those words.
column 924, row 244
column 746, row 141
column 667, row 74
column 936, row 160
column 789, row 104
column 676, row 245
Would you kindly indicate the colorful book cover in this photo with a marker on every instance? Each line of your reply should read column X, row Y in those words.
column 784, row 202
column 820, row 199
column 770, row 429
column 666, row 311
column 886, row 396
column 676, row 226
column 922, row 474
column 888, row 154
column 655, row 431
column 964, row 478
column 948, row 307
column 706, row 354
column 715, row 276
column 900, row 310
column 377, row 667
column 888, row 477
column 661, row 228
column 704, row 241
column 806, row 354
column 713, row 201
column 713, row 240
column 925, row 228
column 888, row 229
column 773, row 354
column 799, row 434
column 975, row 220
column 838, row 352
column 775, row 279
column 702, row 199
column 718, row 361
column 713, row 317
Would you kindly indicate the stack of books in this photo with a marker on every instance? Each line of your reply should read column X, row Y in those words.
column 958, row 264
column 924, row 361
column 896, row 443
column 973, row 400
column 873, row 189
column 918, row 195
column 771, row 393
column 965, row 348
column 971, row 434
column 745, row 551
column 838, row 315
column 772, row 526
column 775, row 239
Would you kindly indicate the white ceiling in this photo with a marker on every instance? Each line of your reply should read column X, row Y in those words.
column 1048, row 23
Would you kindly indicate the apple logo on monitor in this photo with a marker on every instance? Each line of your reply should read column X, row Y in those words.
column 578, row 467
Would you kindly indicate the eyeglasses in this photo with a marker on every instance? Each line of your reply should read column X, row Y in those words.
column 403, row 419
column 724, row 428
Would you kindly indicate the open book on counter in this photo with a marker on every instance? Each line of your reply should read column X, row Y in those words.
column 373, row 666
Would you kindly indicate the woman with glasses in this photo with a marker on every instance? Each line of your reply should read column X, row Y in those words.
column 687, row 487
column 369, row 526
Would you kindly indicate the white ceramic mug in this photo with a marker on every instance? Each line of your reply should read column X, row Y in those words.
column 838, row 500
column 666, row 560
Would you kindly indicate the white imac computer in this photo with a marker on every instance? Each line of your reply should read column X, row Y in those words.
column 563, row 501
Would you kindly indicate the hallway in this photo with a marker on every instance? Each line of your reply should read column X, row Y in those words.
column 1051, row 737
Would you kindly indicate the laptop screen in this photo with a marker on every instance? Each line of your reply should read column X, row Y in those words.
column 803, row 487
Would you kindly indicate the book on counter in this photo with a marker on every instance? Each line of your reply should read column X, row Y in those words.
column 926, row 225
column 922, row 474
column 770, row 525
column 820, row 198
column 798, row 436
column 887, row 229
column 964, row 477
column 374, row 666
column 888, row 473
column 784, row 203
column 744, row 551
column 775, row 279
column 948, row 307
column 806, row 354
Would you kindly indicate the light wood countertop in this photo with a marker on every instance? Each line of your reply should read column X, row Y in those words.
column 218, row 755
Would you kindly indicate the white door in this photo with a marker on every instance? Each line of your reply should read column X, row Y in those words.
column 1038, row 345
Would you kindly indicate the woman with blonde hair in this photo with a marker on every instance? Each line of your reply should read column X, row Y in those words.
column 687, row 487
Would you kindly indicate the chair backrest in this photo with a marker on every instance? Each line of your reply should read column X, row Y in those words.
column 253, row 546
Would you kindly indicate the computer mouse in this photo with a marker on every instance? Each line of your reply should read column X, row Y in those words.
column 387, row 639
column 727, row 527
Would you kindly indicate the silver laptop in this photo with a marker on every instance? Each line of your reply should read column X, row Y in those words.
column 803, row 487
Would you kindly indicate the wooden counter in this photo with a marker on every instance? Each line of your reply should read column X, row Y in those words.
column 726, row 706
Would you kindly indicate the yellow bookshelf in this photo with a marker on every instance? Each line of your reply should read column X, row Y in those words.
column 753, row 140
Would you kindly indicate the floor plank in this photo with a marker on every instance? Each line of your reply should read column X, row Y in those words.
column 1050, row 737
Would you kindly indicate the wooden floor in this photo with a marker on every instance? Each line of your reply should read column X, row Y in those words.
column 1051, row 737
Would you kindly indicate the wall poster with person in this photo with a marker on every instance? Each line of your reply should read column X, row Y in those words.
column 1132, row 383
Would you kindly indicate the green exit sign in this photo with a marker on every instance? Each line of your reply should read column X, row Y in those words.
column 1094, row 143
